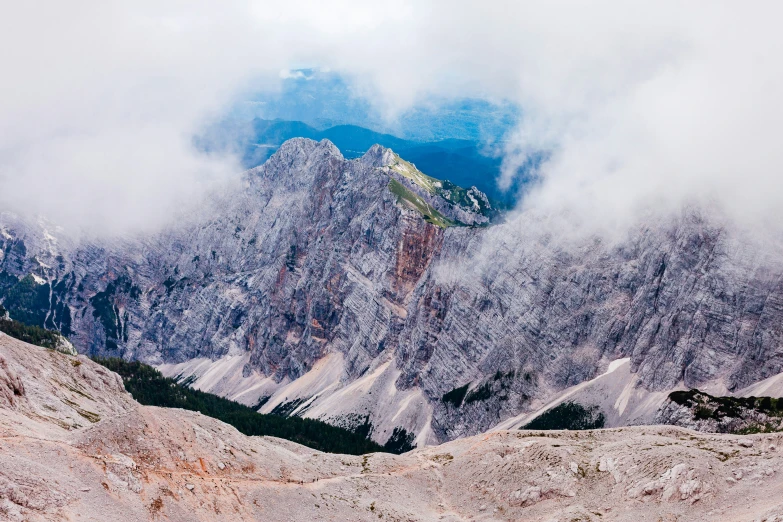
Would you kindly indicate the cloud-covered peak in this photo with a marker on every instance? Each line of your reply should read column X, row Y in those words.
column 634, row 106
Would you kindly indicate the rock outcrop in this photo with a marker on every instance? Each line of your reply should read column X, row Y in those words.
column 365, row 289
column 703, row 412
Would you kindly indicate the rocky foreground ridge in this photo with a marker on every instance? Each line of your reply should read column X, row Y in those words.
column 363, row 289
column 75, row 446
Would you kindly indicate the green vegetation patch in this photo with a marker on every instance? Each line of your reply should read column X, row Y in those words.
column 408, row 170
column 444, row 188
column 149, row 387
column 285, row 409
column 37, row 304
column 355, row 422
column 456, row 396
column 29, row 334
column 568, row 416
column 462, row 197
column 499, row 385
column 6, row 281
column 481, row 393
column 107, row 312
column 706, row 406
column 27, row 301
column 401, row 441
column 261, row 401
column 408, row 198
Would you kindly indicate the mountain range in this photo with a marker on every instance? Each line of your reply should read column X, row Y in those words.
column 364, row 291
column 464, row 162
column 324, row 99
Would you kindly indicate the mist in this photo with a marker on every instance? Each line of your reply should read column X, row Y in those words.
column 640, row 108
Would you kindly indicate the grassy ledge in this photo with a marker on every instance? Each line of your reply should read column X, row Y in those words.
column 408, row 198
column 454, row 194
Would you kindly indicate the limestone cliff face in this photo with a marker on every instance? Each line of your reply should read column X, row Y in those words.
column 315, row 255
column 687, row 303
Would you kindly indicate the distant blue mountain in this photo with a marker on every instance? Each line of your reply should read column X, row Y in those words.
column 444, row 138
column 325, row 99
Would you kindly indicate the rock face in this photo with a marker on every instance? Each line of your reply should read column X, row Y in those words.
column 75, row 445
column 703, row 412
column 352, row 289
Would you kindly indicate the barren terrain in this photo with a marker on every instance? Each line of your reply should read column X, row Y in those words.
column 75, row 446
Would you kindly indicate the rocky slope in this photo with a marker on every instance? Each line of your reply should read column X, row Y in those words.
column 703, row 412
column 351, row 289
column 75, row 446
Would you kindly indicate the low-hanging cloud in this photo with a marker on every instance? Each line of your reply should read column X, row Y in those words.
column 637, row 105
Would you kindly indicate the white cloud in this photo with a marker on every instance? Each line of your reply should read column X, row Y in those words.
column 643, row 104
column 286, row 74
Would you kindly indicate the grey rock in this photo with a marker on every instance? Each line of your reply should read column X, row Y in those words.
column 704, row 413
column 313, row 254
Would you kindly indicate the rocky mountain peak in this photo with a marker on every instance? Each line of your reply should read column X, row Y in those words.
column 377, row 156
column 298, row 155
column 307, row 147
column 330, row 272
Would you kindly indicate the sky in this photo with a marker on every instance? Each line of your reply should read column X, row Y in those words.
column 639, row 106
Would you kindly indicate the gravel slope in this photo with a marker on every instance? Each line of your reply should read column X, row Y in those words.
column 75, row 446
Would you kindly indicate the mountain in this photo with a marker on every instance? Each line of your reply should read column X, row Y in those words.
column 363, row 290
column 463, row 162
column 325, row 99
column 76, row 446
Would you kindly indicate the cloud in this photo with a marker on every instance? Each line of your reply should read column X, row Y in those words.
column 638, row 105
column 287, row 74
